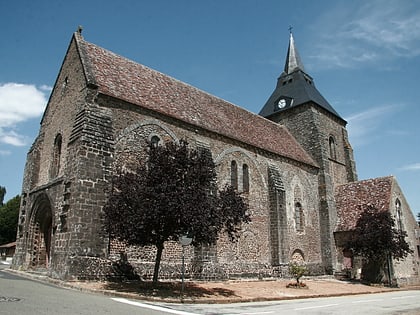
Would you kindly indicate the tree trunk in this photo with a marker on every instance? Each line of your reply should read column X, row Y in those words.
column 157, row 262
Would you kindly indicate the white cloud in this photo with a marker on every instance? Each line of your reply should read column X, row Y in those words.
column 411, row 167
column 5, row 152
column 362, row 127
column 19, row 103
column 374, row 31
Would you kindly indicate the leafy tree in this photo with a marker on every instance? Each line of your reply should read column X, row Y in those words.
column 9, row 214
column 2, row 194
column 297, row 271
column 378, row 240
column 174, row 193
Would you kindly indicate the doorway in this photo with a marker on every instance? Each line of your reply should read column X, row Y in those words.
column 40, row 230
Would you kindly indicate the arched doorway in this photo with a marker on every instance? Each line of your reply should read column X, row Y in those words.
column 40, row 230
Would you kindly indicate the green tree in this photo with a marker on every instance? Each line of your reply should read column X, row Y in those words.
column 297, row 271
column 2, row 194
column 9, row 214
column 376, row 239
column 173, row 194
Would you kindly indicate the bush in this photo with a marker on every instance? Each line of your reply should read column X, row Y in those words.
column 297, row 271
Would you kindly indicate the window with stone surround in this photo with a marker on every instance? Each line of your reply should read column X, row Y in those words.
column 399, row 215
column 333, row 153
column 234, row 174
column 154, row 140
column 55, row 162
column 245, row 178
column 298, row 217
column 298, row 210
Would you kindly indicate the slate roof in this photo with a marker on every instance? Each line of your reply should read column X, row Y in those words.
column 349, row 197
column 127, row 80
column 294, row 83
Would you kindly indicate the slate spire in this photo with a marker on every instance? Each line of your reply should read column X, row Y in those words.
column 293, row 61
column 294, row 88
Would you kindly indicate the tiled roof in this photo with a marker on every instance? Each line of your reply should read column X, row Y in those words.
column 350, row 197
column 127, row 80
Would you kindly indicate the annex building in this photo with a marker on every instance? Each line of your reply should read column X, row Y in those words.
column 292, row 162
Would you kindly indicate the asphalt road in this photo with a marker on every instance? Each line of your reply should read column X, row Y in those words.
column 398, row 302
column 23, row 296
column 19, row 295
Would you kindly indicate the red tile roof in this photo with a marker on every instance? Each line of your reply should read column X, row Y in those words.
column 349, row 197
column 127, row 80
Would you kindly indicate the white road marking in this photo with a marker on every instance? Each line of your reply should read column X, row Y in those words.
column 152, row 307
column 367, row 301
column 404, row 297
column 271, row 312
column 311, row 307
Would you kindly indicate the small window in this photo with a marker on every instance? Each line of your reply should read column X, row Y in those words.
column 154, row 141
column 55, row 163
column 64, row 85
column 234, row 174
column 245, row 178
column 299, row 217
column 399, row 215
column 333, row 153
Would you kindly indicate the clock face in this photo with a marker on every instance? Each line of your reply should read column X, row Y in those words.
column 281, row 103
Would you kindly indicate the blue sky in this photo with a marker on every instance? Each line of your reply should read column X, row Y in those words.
column 364, row 57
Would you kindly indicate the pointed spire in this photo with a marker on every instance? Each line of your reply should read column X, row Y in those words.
column 293, row 61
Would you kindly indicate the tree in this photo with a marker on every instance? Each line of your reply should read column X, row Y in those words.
column 297, row 271
column 2, row 194
column 9, row 214
column 174, row 193
column 376, row 239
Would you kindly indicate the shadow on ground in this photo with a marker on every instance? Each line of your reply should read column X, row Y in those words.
column 167, row 290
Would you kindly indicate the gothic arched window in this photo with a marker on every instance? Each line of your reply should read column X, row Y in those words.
column 245, row 178
column 298, row 216
column 234, row 174
column 333, row 153
column 399, row 215
column 56, row 157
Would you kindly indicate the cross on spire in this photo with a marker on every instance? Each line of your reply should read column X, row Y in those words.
column 290, row 29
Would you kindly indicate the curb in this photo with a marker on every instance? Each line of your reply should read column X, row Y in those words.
column 69, row 285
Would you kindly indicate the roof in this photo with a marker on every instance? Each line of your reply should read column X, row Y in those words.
column 132, row 82
column 295, row 86
column 8, row 245
column 351, row 197
column 293, row 61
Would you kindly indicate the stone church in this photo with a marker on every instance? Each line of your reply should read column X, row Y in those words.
column 292, row 162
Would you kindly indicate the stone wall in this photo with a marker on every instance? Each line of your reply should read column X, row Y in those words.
column 324, row 137
column 252, row 254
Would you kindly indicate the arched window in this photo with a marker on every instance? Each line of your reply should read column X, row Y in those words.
column 154, row 141
column 333, row 153
column 299, row 217
column 234, row 174
column 245, row 178
column 399, row 215
column 55, row 163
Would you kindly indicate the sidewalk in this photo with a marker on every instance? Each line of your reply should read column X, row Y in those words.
column 217, row 292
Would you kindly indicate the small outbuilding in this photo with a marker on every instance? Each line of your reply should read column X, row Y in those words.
column 7, row 250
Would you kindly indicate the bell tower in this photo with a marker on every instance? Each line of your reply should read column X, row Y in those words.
column 298, row 105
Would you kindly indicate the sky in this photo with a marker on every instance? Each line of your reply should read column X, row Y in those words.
column 364, row 57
